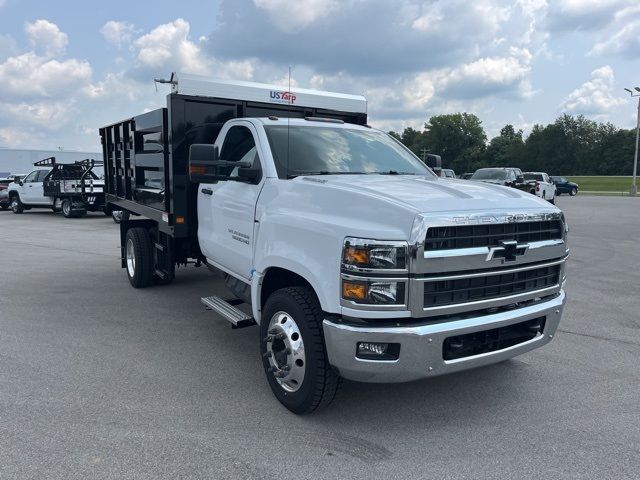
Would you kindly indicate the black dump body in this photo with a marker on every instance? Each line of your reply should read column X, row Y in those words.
column 146, row 157
column 76, row 181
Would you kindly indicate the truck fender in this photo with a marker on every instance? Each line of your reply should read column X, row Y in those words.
column 286, row 265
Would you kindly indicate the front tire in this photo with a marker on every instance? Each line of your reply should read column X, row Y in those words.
column 574, row 192
column 293, row 351
column 16, row 205
column 139, row 257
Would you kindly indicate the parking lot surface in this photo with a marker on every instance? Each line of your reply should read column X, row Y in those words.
column 99, row 380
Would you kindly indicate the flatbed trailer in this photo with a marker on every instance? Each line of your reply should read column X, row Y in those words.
column 146, row 157
column 73, row 187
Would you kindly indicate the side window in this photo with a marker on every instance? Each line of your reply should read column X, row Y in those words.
column 32, row 177
column 41, row 175
column 239, row 146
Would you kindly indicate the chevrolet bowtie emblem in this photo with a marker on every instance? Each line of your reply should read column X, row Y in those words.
column 507, row 251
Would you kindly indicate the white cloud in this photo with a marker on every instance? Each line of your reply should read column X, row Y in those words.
column 490, row 76
column 46, row 37
column 30, row 75
column 117, row 33
column 293, row 17
column 594, row 97
column 623, row 36
column 168, row 46
column 19, row 137
column 583, row 15
column 8, row 46
column 40, row 90
column 48, row 115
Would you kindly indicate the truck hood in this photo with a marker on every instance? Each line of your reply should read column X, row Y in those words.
column 431, row 195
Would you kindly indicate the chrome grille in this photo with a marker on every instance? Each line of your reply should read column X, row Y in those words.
column 490, row 235
column 473, row 287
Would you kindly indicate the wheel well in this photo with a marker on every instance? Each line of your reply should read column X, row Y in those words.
column 277, row 278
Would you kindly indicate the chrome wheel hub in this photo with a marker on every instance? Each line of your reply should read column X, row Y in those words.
column 131, row 258
column 285, row 352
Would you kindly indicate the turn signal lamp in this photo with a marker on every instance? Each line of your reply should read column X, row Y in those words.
column 356, row 256
column 355, row 291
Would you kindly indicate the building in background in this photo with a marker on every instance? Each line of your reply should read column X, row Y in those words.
column 20, row 161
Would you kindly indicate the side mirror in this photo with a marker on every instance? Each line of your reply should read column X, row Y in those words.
column 520, row 179
column 250, row 174
column 435, row 163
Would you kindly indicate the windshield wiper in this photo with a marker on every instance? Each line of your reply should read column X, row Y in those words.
column 325, row 172
column 394, row 172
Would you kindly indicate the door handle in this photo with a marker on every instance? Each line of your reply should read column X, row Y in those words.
column 207, row 191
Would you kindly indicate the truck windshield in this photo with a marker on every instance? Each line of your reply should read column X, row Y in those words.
column 302, row 150
column 489, row 175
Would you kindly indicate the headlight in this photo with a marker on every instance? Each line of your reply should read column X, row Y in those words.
column 373, row 292
column 373, row 255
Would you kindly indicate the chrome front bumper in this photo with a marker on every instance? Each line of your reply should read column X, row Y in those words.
column 421, row 347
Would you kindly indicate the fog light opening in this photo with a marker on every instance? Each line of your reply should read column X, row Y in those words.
column 378, row 351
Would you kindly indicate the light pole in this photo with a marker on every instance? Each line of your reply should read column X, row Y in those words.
column 633, row 191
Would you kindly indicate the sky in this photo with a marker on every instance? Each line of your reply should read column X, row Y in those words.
column 69, row 67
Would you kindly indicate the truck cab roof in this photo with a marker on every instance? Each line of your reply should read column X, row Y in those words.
column 306, row 122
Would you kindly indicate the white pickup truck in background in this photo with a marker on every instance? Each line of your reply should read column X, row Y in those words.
column 541, row 185
column 354, row 259
column 28, row 192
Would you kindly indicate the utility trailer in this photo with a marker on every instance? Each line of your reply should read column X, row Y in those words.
column 146, row 157
column 73, row 187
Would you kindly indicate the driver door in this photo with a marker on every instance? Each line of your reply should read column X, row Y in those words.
column 28, row 189
column 226, row 223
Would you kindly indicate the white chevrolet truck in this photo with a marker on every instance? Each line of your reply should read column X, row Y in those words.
column 352, row 258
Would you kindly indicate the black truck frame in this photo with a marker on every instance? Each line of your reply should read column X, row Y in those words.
column 74, row 187
column 146, row 168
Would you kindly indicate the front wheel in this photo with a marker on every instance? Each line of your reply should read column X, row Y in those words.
column 574, row 192
column 293, row 351
column 16, row 205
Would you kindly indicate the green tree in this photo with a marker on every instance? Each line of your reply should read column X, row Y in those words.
column 458, row 138
column 505, row 150
column 571, row 145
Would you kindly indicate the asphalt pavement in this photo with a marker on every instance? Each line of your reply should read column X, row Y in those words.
column 99, row 380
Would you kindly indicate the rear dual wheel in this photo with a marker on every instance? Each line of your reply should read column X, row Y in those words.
column 138, row 257
column 67, row 209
